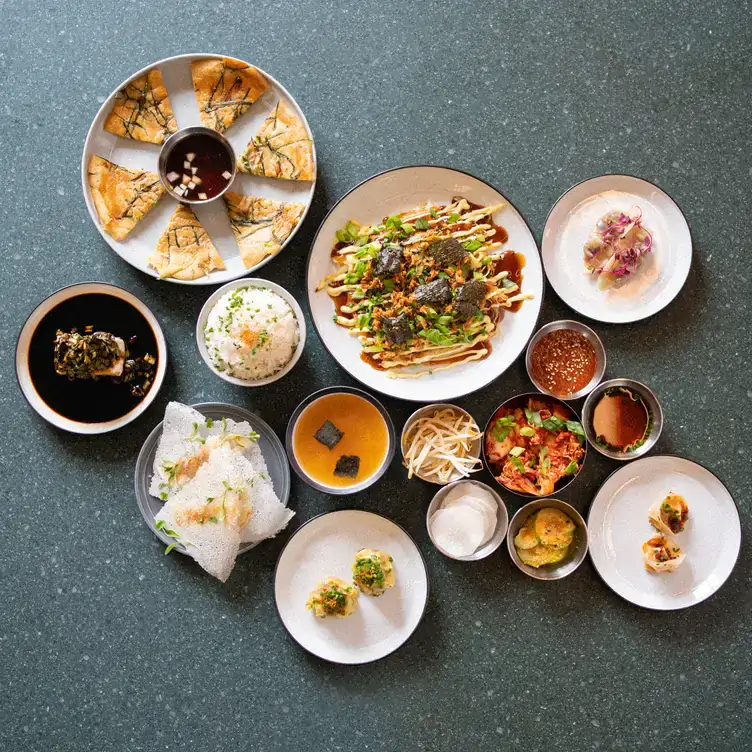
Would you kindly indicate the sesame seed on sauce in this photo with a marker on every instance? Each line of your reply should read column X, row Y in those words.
column 563, row 362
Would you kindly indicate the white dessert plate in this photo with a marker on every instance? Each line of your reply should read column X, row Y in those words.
column 398, row 190
column 142, row 240
column 325, row 546
column 618, row 526
column 663, row 271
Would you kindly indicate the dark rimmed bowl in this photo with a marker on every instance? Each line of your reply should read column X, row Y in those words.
column 513, row 402
column 366, row 482
column 655, row 414
column 590, row 335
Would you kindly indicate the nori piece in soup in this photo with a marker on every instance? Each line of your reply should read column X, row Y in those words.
column 397, row 329
column 436, row 292
column 447, row 251
column 347, row 466
column 328, row 435
column 387, row 261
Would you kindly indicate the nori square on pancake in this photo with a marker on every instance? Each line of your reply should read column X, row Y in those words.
column 387, row 261
column 328, row 435
column 397, row 329
column 436, row 292
column 347, row 466
column 447, row 251
column 465, row 310
column 473, row 291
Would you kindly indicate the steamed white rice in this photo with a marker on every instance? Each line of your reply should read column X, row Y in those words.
column 251, row 333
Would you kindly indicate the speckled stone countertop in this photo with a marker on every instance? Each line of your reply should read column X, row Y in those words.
column 106, row 644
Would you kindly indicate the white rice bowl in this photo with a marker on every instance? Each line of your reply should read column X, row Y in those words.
column 251, row 333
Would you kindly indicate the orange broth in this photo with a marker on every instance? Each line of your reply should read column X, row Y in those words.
column 365, row 435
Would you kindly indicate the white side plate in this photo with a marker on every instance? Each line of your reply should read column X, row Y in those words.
column 325, row 547
column 395, row 191
column 618, row 526
column 663, row 271
column 142, row 240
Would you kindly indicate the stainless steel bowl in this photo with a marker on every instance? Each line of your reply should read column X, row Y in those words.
column 475, row 447
column 174, row 140
column 593, row 338
column 502, row 521
column 654, row 409
column 522, row 400
column 574, row 558
column 366, row 482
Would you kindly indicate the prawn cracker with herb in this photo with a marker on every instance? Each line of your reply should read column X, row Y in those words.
column 225, row 89
column 185, row 250
column 281, row 149
column 122, row 196
column 261, row 225
column 142, row 110
column 328, row 435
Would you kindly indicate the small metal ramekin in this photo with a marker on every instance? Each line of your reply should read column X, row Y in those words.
column 573, row 559
column 174, row 140
column 593, row 338
column 654, row 410
column 502, row 521
column 422, row 412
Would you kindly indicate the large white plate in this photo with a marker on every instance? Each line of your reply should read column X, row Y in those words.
column 618, row 526
column 662, row 273
column 325, row 546
column 394, row 191
column 142, row 240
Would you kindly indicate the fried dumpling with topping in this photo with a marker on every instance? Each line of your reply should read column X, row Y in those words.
column 333, row 597
column 261, row 225
column 122, row 196
column 142, row 110
column 185, row 250
column 662, row 554
column 281, row 149
column 225, row 89
column 670, row 515
column 373, row 571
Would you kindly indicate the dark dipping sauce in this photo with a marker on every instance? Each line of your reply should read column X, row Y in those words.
column 211, row 160
column 89, row 400
column 620, row 420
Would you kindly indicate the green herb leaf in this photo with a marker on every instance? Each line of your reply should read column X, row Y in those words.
column 421, row 224
column 472, row 245
column 452, row 218
column 388, row 285
column 571, row 468
column 554, row 423
column 518, row 464
column 533, row 417
column 508, row 284
column 575, row 427
column 408, row 228
column 434, row 214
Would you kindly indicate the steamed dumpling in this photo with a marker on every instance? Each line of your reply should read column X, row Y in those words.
column 333, row 597
column 662, row 554
column 670, row 515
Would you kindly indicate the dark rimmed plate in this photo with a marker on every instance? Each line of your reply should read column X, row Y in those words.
column 270, row 445
column 325, row 546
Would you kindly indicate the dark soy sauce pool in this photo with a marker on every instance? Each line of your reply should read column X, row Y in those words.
column 86, row 400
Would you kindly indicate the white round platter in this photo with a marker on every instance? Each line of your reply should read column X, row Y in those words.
column 142, row 240
column 662, row 272
column 618, row 526
column 325, row 546
column 398, row 190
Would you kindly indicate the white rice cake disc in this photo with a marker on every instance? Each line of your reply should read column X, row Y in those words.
column 475, row 498
column 469, row 489
column 459, row 530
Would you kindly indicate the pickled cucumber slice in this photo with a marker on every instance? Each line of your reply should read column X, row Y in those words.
column 540, row 556
column 526, row 537
column 554, row 528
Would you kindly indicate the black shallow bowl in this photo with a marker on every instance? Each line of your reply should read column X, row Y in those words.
column 520, row 400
